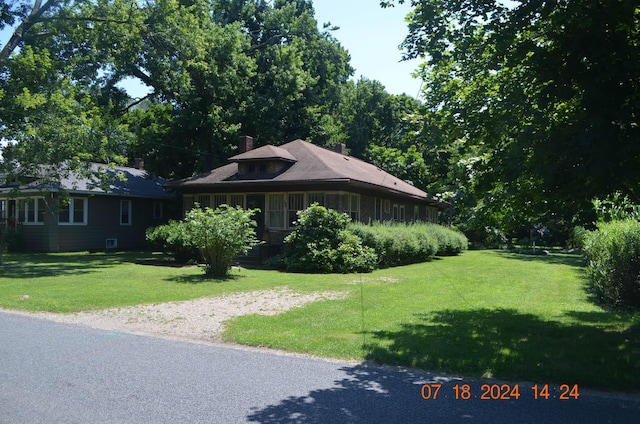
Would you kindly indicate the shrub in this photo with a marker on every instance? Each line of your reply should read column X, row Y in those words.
column 321, row 243
column 613, row 254
column 401, row 244
column 172, row 239
column 450, row 241
column 220, row 235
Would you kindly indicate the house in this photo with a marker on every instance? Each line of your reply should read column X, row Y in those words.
column 282, row 180
column 82, row 214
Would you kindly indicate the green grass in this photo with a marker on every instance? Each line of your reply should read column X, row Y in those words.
column 72, row 282
column 484, row 313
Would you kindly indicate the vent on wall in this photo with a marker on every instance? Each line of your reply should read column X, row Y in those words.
column 111, row 243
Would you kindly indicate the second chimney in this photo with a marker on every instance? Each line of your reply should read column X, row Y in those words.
column 245, row 144
column 341, row 148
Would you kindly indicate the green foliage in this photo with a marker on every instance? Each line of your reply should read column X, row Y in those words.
column 172, row 238
column 539, row 99
column 322, row 243
column 613, row 253
column 616, row 207
column 220, row 235
column 577, row 238
column 401, row 244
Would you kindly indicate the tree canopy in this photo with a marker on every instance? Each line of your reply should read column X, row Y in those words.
column 544, row 95
column 214, row 69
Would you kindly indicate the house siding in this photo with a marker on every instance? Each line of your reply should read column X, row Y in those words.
column 103, row 222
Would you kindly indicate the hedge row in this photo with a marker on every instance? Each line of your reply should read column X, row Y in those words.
column 401, row 244
column 613, row 255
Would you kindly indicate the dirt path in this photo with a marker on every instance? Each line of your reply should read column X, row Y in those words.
column 200, row 319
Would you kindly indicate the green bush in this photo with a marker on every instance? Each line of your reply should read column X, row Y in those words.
column 401, row 244
column 613, row 254
column 219, row 236
column 172, row 239
column 321, row 243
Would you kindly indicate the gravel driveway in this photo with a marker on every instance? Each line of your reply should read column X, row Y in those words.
column 200, row 319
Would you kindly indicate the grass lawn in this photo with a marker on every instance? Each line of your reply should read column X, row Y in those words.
column 484, row 313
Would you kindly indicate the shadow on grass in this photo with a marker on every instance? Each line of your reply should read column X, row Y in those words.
column 597, row 350
column 201, row 278
column 569, row 259
column 38, row 265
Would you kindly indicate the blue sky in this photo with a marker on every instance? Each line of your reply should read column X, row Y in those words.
column 370, row 34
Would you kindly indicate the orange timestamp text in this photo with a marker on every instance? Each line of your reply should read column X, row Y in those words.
column 432, row 391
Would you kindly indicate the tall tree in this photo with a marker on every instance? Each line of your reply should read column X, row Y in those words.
column 547, row 93
column 52, row 107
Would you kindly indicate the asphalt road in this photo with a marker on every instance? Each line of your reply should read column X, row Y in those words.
column 59, row 373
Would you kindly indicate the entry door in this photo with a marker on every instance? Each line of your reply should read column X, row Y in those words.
column 256, row 201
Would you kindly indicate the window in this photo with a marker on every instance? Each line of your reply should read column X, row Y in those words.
column 296, row 203
column 237, row 200
column 219, row 199
column 387, row 206
column 354, row 207
column 3, row 209
column 416, row 213
column 33, row 211
column 316, row 198
column 125, row 212
column 276, row 209
column 157, row 210
column 398, row 213
column 203, row 200
column 73, row 211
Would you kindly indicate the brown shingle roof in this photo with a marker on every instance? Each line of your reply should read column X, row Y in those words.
column 264, row 153
column 311, row 164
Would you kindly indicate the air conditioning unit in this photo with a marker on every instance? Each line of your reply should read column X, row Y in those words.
column 111, row 243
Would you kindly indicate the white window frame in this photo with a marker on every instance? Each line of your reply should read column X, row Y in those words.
column 38, row 206
column 354, row 210
column 271, row 211
column 71, row 207
column 126, row 205
column 295, row 208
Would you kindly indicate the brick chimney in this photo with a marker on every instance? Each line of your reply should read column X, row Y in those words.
column 245, row 144
column 341, row 148
column 139, row 164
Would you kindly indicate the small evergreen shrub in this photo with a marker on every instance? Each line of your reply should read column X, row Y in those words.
column 613, row 255
column 321, row 243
